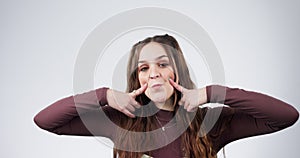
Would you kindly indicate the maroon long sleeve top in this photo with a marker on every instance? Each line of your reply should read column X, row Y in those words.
column 255, row 114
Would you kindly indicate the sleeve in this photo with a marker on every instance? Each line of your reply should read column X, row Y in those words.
column 254, row 113
column 81, row 114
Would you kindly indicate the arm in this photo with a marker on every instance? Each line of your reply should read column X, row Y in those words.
column 84, row 114
column 254, row 113
column 72, row 115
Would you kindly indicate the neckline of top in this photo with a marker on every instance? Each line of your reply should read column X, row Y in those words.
column 164, row 115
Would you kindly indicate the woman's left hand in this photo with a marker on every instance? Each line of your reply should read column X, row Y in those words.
column 191, row 98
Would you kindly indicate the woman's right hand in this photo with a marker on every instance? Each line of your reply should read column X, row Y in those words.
column 124, row 102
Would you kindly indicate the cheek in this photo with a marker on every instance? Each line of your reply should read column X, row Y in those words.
column 142, row 79
column 168, row 74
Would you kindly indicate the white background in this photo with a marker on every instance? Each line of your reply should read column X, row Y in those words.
column 258, row 42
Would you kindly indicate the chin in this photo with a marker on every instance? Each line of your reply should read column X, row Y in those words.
column 159, row 100
column 158, row 97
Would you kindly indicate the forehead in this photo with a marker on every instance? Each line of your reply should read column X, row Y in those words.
column 151, row 51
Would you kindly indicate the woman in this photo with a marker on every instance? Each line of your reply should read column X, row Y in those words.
column 161, row 114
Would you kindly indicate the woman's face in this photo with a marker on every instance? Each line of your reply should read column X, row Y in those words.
column 154, row 68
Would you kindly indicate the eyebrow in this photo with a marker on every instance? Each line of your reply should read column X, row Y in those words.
column 162, row 56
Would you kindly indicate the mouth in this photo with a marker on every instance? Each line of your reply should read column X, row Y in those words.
column 156, row 85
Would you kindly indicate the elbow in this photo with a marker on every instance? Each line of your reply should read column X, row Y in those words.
column 294, row 116
column 39, row 122
column 291, row 117
column 43, row 125
column 42, row 122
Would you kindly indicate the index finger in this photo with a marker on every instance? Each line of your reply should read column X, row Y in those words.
column 140, row 90
column 177, row 86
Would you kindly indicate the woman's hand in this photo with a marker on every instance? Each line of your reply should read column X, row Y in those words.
column 191, row 98
column 125, row 102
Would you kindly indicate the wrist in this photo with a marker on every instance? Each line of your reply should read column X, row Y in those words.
column 203, row 95
column 102, row 95
column 216, row 93
column 109, row 96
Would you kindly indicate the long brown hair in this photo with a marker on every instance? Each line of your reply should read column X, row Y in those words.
column 192, row 144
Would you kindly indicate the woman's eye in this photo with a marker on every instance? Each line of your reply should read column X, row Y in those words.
column 143, row 68
column 163, row 64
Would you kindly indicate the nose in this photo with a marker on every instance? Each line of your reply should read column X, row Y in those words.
column 154, row 73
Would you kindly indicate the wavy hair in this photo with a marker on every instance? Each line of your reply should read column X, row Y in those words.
column 192, row 144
